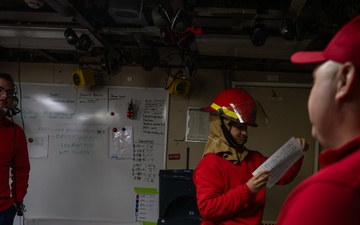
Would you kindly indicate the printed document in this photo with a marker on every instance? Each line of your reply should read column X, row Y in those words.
column 281, row 161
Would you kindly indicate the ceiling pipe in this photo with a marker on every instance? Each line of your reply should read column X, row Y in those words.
column 295, row 8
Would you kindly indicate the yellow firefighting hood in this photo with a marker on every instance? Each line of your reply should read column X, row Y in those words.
column 217, row 143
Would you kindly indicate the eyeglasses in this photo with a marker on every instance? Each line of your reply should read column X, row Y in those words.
column 9, row 93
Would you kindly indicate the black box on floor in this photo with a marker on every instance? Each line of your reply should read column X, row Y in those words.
column 177, row 198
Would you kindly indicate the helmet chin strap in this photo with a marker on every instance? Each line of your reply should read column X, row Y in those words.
column 229, row 138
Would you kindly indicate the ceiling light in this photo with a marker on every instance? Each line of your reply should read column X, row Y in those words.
column 84, row 43
column 147, row 62
column 70, row 36
column 259, row 33
column 148, row 59
column 40, row 38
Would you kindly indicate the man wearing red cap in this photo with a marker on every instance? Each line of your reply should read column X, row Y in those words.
column 332, row 195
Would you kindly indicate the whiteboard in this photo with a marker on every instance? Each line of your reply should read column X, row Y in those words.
column 69, row 137
column 74, row 222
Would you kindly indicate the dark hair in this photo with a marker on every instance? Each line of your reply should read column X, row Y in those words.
column 7, row 77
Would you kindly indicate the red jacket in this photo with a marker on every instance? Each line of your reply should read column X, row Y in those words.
column 222, row 194
column 332, row 195
column 22, row 167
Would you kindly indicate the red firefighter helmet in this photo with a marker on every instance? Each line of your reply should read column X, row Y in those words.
column 235, row 104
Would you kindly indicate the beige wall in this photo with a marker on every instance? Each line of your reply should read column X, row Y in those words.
column 205, row 85
column 61, row 74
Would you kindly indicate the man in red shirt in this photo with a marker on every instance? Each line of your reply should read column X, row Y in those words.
column 332, row 195
column 14, row 157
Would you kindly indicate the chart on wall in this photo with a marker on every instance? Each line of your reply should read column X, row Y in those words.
column 89, row 148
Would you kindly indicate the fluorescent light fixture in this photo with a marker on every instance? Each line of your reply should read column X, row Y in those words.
column 39, row 38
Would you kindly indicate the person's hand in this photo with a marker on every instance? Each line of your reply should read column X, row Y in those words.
column 257, row 182
column 304, row 145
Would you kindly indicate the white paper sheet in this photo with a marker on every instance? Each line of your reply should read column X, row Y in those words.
column 38, row 146
column 281, row 161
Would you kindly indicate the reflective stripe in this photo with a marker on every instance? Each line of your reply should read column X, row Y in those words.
column 225, row 110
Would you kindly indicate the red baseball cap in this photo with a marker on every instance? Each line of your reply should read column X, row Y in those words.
column 343, row 47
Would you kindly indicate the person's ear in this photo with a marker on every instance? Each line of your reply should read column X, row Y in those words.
column 347, row 81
